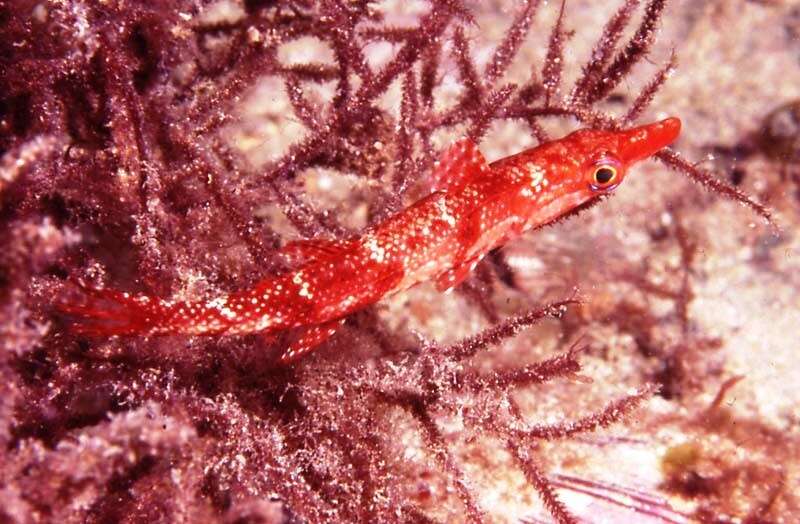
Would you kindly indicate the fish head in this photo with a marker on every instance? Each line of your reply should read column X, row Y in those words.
column 564, row 175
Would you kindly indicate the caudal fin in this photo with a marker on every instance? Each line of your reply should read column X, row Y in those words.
column 107, row 312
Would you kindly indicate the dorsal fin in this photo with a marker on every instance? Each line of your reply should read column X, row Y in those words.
column 458, row 165
column 316, row 249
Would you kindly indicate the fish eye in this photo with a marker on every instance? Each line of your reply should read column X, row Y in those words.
column 604, row 177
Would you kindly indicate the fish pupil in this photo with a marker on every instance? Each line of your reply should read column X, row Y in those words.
column 604, row 175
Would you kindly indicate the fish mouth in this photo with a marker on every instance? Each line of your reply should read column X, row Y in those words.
column 644, row 141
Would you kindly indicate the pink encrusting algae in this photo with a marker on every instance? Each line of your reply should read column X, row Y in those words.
column 475, row 207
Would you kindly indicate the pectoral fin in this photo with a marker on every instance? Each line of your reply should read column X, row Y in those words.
column 455, row 276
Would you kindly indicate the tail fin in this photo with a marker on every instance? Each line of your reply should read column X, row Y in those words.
column 107, row 312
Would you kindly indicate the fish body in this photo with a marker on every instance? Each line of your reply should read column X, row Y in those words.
column 474, row 207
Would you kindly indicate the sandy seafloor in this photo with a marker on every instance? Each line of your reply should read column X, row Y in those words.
column 737, row 61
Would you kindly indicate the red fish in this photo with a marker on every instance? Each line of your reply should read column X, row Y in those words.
column 474, row 207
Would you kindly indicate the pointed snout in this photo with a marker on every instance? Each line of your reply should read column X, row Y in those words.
column 643, row 141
